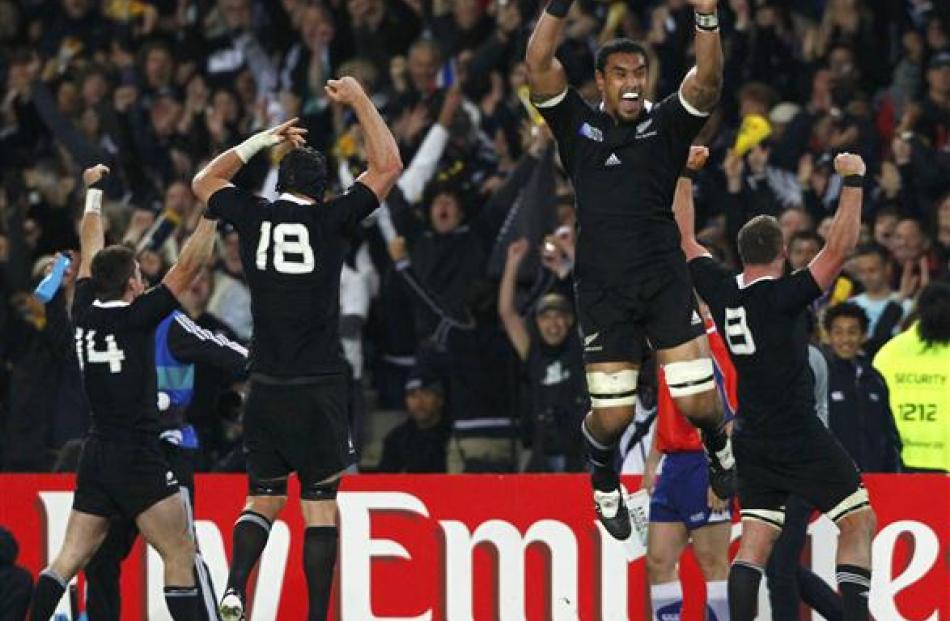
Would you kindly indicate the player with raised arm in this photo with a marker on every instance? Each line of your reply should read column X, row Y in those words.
column 780, row 445
column 122, row 471
column 632, row 284
column 295, row 418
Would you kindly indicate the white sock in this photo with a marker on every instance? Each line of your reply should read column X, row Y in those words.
column 667, row 601
column 717, row 600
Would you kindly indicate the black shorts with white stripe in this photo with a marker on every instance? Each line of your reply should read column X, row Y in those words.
column 813, row 466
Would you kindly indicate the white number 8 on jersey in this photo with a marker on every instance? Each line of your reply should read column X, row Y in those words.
column 290, row 238
column 738, row 336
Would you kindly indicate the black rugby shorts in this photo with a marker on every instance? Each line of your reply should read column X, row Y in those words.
column 297, row 427
column 654, row 309
column 122, row 477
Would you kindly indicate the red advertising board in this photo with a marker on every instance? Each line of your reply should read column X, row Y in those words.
column 486, row 547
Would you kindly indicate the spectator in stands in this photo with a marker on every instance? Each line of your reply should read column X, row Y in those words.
column 802, row 248
column 420, row 443
column 859, row 412
column 16, row 583
column 916, row 366
column 872, row 268
column 551, row 352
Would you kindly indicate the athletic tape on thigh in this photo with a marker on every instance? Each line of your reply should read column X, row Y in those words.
column 690, row 377
column 320, row 491
column 772, row 517
column 266, row 487
column 613, row 389
column 855, row 502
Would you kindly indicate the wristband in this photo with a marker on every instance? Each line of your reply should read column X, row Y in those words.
column 854, row 181
column 558, row 8
column 93, row 201
column 706, row 21
column 689, row 173
column 249, row 148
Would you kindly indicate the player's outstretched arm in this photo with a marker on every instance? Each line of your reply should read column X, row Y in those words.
column 702, row 84
column 219, row 171
column 546, row 77
column 194, row 255
column 383, row 164
column 91, row 237
column 846, row 226
column 513, row 322
column 683, row 210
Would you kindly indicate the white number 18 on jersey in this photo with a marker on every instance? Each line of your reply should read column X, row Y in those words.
column 292, row 251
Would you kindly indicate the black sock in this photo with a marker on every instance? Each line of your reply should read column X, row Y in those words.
column 744, row 581
column 600, row 457
column 854, row 583
column 182, row 602
column 250, row 536
column 713, row 433
column 319, row 559
column 49, row 590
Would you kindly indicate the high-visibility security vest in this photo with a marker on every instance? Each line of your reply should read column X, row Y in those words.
column 918, row 380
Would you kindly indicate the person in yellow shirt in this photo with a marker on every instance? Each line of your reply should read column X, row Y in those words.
column 916, row 366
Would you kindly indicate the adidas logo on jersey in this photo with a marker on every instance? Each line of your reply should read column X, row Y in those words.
column 170, row 479
column 696, row 320
column 613, row 160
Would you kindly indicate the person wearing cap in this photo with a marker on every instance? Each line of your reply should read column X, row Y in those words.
column 551, row 352
column 420, row 443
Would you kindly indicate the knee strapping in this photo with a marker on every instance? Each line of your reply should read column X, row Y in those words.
column 267, row 487
column 690, row 377
column 612, row 389
column 320, row 491
column 857, row 501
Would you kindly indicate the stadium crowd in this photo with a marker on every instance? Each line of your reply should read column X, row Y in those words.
column 457, row 312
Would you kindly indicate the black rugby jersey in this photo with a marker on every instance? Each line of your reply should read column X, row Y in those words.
column 292, row 253
column 624, row 176
column 765, row 328
column 115, row 345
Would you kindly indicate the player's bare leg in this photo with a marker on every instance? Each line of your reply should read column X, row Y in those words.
column 84, row 534
column 690, row 375
column 711, row 549
column 165, row 527
column 318, row 505
column 665, row 543
column 853, row 561
column 756, row 543
column 249, row 537
column 612, row 387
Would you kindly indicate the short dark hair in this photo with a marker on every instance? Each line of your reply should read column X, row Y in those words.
column 873, row 248
column 111, row 269
column 618, row 46
column 303, row 171
column 760, row 240
column 846, row 309
column 934, row 308
column 808, row 235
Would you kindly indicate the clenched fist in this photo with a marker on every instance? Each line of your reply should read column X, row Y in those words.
column 849, row 164
column 346, row 90
column 93, row 175
column 697, row 158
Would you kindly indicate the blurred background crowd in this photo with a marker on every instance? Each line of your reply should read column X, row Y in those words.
column 456, row 301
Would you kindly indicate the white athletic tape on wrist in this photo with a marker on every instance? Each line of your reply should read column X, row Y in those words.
column 690, row 377
column 93, row 201
column 857, row 501
column 249, row 148
column 608, row 390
